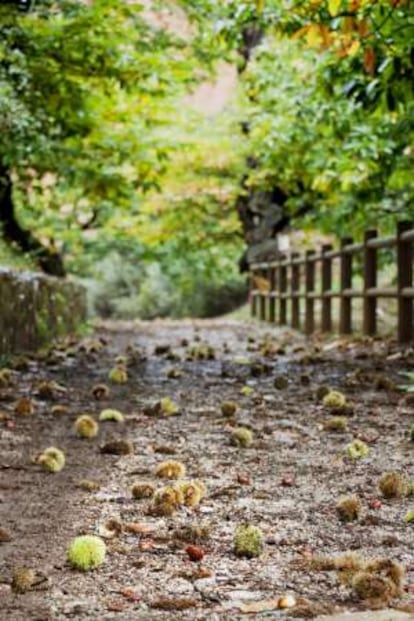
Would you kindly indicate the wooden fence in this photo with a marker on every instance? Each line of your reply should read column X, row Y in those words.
column 293, row 278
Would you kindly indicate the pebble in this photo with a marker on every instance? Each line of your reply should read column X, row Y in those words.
column 205, row 585
column 179, row 586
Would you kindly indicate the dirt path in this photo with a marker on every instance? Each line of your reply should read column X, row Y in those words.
column 287, row 482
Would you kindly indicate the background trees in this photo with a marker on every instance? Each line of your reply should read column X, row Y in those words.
column 102, row 153
column 328, row 93
column 82, row 88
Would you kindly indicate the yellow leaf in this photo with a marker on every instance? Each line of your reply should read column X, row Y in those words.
column 313, row 36
column 318, row 35
column 353, row 48
column 259, row 5
column 334, row 6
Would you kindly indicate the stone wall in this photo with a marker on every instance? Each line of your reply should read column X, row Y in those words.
column 35, row 308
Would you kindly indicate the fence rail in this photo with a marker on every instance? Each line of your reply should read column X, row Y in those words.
column 295, row 278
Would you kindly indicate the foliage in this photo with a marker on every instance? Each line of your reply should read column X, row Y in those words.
column 409, row 386
column 82, row 86
column 194, row 284
column 92, row 112
column 329, row 90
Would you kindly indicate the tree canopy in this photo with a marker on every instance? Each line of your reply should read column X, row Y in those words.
column 328, row 94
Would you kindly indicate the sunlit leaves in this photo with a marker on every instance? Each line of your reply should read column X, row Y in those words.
column 83, row 89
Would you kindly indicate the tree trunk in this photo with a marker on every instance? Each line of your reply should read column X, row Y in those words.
column 48, row 260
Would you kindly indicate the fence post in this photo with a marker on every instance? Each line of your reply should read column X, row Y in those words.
column 309, row 288
column 404, row 279
column 262, row 295
column 370, row 280
column 326, row 285
column 253, row 297
column 272, row 300
column 345, row 303
column 294, row 289
column 282, row 290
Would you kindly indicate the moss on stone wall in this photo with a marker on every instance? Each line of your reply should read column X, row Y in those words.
column 35, row 308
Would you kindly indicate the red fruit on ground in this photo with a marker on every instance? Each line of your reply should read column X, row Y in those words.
column 194, row 553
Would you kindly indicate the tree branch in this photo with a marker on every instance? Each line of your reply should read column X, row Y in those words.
column 48, row 259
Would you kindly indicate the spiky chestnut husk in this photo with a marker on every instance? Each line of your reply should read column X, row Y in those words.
column 347, row 565
column 357, row 450
column 280, row 382
column 369, row 586
column 111, row 415
column 393, row 485
column 168, row 494
column 334, row 399
column 246, row 391
column 47, row 390
column 166, row 501
column 117, row 447
column 382, row 382
column 248, row 541
column 228, row 408
column 349, row 508
column 86, row 552
column 86, row 427
column 191, row 492
column 409, row 516
column 174, row 373
column 168, row 407
column 23, row 579
column 142, row 490
column 379, row 580
column 336, row 423
column 241, row 436
column 257, row 369
column 59, row 410
column 118, row 375
column 6, row 378
column 388, row 568
column 52, row 459
column 24, row 406
column 21, row 364
column 100, row 391
column 170, row 470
